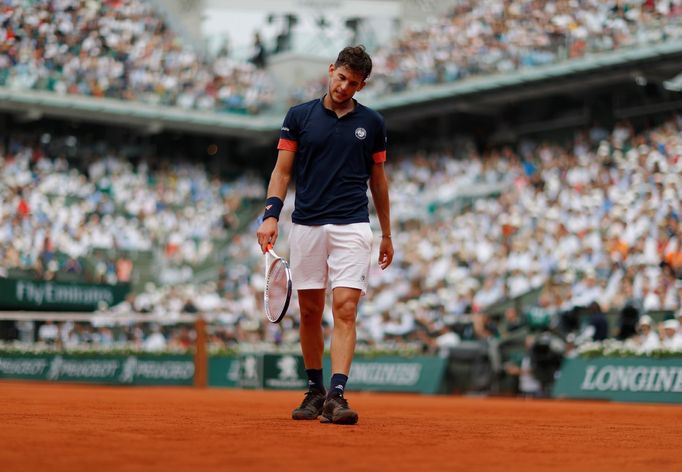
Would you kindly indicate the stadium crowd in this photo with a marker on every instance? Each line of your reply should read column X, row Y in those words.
column 499, row 36
column 124, row 49
column 593, row 226
column 119, row 49
column 98, row 206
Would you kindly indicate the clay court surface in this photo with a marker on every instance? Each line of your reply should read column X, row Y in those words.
column 60, row 427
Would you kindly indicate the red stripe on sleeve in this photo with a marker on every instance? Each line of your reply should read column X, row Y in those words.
column 379, row 157
column 287, row 145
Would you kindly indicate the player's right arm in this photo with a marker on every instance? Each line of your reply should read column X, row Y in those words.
column 279, row 183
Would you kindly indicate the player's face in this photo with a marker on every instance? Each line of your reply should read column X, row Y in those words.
column 343, row 83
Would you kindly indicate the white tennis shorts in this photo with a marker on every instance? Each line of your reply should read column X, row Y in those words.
column 336, row 254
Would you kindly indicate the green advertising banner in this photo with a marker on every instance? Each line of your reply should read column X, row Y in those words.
column 287, row 372
column 101, row 369
column 271, row 371
column 633, row 379
column 223, row 371
column 250, row 371
column 420, row 374
column 40, row 295
column 284, row 372
column 386, row 374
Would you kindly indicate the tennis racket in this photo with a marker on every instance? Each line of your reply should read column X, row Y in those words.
column 277, row 292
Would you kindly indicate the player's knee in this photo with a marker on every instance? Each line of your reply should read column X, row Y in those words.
column 345, row 311
column 311, row 317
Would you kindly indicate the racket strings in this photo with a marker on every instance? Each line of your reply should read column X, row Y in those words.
column 276, row 289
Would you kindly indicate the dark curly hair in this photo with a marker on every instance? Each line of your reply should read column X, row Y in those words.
column 356, row 59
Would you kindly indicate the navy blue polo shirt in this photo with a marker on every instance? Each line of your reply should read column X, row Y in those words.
column 334, row 159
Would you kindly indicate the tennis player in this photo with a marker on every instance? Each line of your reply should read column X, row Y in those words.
column 333, row 146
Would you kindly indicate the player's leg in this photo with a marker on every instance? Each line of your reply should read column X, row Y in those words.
column 349, row 259
column 311, row 303
column 308, row 256
column 344, row 308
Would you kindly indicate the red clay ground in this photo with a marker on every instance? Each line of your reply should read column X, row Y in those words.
column 58, row 427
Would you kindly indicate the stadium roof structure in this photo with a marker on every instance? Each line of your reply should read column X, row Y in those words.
column 145, row 117
column 465, row 95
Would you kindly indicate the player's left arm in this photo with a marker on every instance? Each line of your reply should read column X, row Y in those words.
column 378, row 185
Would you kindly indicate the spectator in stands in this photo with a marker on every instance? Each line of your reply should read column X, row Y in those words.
column 629, row 316
column 598, row 322
column 73, row 266
column 48, row 333
column 258, row 53
column 155, row 341
column 124, row 269
column 512, row 321
column 646, row 340
column 444, row 339
column 540, row 315
column 670, row 337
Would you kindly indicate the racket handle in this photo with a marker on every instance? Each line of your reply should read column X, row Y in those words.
column 267, row 262
column 271, row 251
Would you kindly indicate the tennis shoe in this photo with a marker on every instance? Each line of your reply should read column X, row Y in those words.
column 311, row 406
column 337, row 411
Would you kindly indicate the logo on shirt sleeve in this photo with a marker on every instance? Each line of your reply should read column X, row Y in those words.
column 360, row 133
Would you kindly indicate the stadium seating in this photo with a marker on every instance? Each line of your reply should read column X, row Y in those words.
column 125, row 50
column 497, row 37
column 120, row 49
column 89, row 218
column 601, row 224
column 596, row 210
